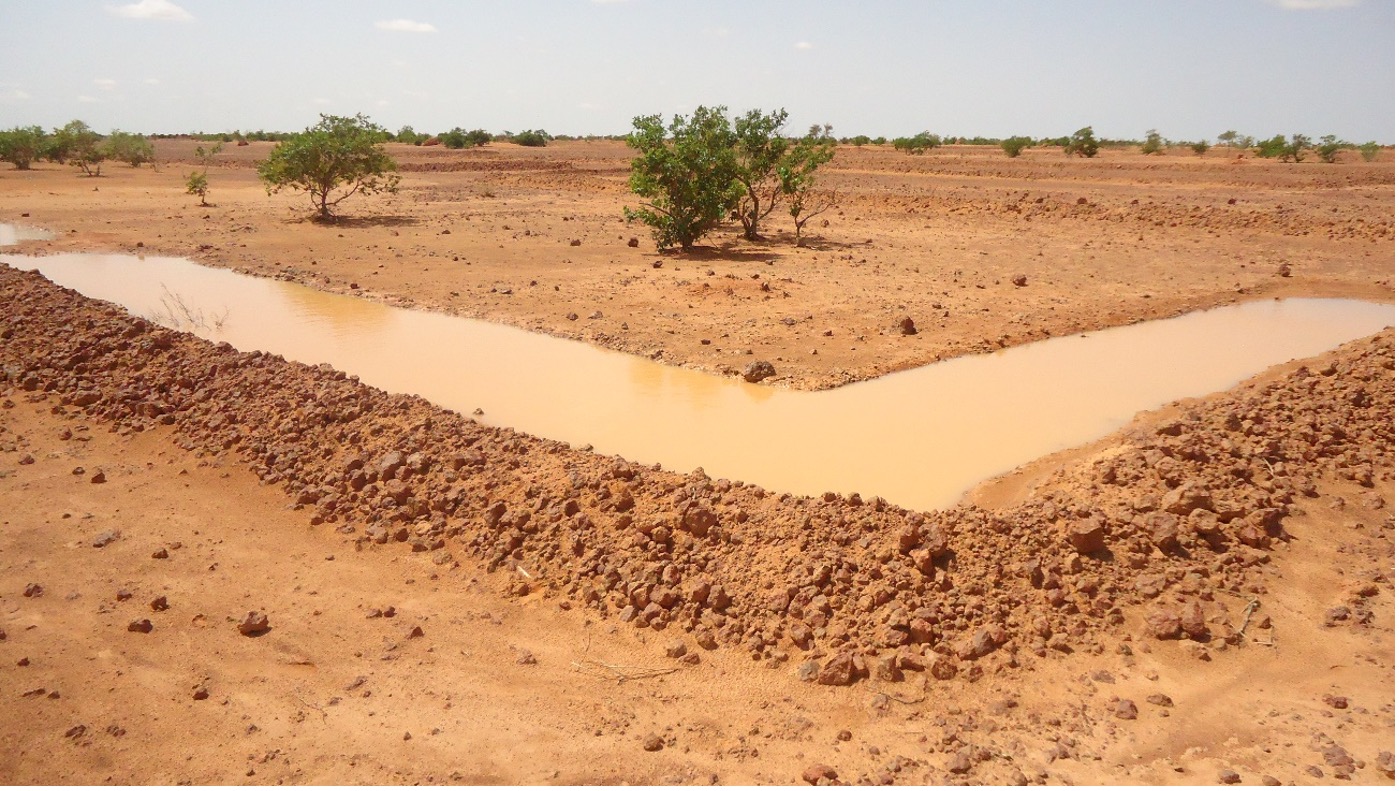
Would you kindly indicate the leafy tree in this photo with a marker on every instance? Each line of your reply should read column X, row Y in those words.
column 759, row 150
column 1154, row 144
column 532, row 138
column 1200, row 148
column 1083, row 143
column 197, row 183
column 22, row 145
column 879, row 141
column 131, row 149
column 918, row 143
column 860, row 140
column 797, row 176
column 460, row 138
column 1014, row 145
column 1369, row 150
column 406, row 134
column 70, row 139
column 1282, row 149
column 331, row 161
column 687, row 172
column 1229, row 138
column 1328, row 147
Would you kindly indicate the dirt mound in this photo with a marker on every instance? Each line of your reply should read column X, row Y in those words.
column 852, row 588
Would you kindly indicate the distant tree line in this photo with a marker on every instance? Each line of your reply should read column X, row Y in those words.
column 73, row 143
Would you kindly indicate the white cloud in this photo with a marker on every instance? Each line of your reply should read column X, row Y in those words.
column 105, row 83
column 609, row 2
column 717, row 32
column 1313, row 5
column 151, row 9
column 10, row 93
column 151, row 81
column 85, row 99
column 803, row 45
column 319, row 100
column 405, row 26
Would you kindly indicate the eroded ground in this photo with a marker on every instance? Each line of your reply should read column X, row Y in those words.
column 1208, row 593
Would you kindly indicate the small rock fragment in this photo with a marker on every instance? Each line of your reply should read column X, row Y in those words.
column 1228, row 776
column 817, row 772
column 253, row 624
column 142, row 625
column 651, row 743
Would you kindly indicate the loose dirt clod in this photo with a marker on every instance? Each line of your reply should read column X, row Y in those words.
column 253, row 624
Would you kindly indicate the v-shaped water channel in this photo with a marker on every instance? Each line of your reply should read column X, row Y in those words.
column 919, row 438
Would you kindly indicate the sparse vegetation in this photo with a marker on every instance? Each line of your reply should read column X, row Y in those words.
column 1283, row 149
column 408, row 135
column 687, row 172
column 134, row 150
column 331, row 161
column 1154, row 144
column 22, row 145
column 917, row 144
column 460, row 138
column 1201, row 148
column 1369, row 150
column 197, row 183
column 531, row 138
column 1328, row 147
column 797, row 175
column 1082, row 143
column 701, row 171
column 1014, row 145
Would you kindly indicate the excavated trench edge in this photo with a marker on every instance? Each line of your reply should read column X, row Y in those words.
column 845, row 587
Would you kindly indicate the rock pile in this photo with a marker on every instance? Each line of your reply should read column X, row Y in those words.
column 848, row 587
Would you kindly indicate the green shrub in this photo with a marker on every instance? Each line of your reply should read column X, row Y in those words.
column 134, row 150
column 22, row 145
column 918, row 143
column 1154, row 144
column 860, row 140
column 1082, row 144
column 1014, row 145
column 331, row 161
column 532, row 138
column 1328, row 147
column 687, row 172
column 1369, row 151
column 1200, row 148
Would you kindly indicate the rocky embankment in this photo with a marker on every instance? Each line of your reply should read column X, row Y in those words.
column 836, row 587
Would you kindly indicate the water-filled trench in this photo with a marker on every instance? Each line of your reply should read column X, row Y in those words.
column 919, row 438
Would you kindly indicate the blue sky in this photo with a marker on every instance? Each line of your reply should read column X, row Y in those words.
column 1189, row 68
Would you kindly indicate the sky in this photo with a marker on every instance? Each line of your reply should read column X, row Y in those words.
column 1044, row 68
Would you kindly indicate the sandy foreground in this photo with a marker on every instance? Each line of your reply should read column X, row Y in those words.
column 1204, row 596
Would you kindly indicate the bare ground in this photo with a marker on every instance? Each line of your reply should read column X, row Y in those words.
column 995, row 644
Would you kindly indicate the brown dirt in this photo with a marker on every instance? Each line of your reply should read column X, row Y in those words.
column 937, row 238
column 1022, row 641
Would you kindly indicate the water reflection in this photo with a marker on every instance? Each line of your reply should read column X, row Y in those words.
column 919, row 438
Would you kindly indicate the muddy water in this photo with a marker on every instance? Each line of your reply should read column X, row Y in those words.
column 918, row 438
column 14, row 234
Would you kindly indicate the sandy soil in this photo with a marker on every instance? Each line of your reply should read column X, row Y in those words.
column 1081, row 625
column 535, row 238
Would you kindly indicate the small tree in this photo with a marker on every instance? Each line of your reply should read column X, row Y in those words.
column 22, row 145
column 197, row 183
column 76, row 142
column 918, row 143
column 406, row 134
column 1272, row 147
column 478, row 137
column 687, row 174
column 134, row 150
column 1082, row 144
column 453, row 138
column 1154, row 144
column 1229, row 138
column 1014, row 145
column 759, row 149
column 797, row 176
column 1200, row 148
column 1328, row 147
column 331, row 161
column 1369, row 151
column 531, row 138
